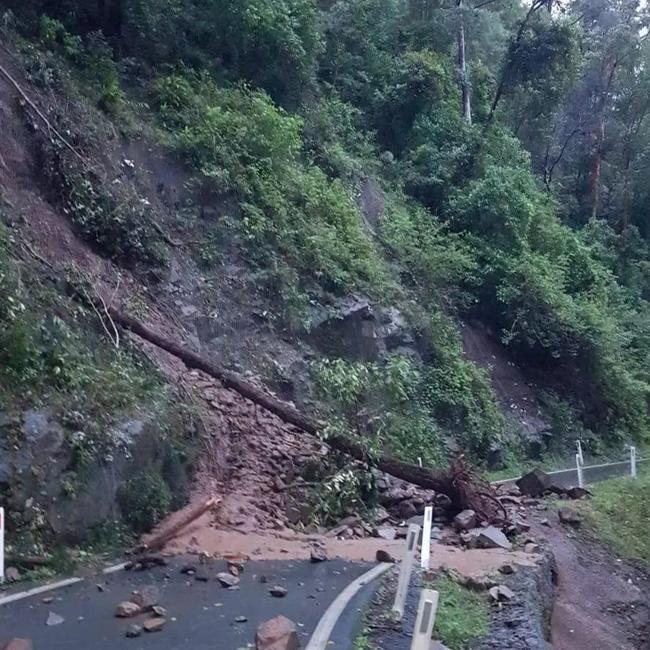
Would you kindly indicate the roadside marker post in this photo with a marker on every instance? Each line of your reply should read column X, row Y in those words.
column 582, row 458
column 425, row 557
column 581, row 481
column 2, row 545
column 633, row 462
column 405, row 570
column 419, row 461
column 425, row 620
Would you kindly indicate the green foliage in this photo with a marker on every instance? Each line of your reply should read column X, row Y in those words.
column 620, row 514
column 463, row 615
column 403, row 407
column 458, row 392
column 291, row 216
column 144, row 500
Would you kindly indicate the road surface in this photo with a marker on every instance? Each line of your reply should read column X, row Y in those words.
column 201, row 615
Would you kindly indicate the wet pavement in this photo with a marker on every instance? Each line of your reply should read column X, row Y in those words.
column 200, row 615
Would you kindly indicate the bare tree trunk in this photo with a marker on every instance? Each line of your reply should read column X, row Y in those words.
column 462, row 65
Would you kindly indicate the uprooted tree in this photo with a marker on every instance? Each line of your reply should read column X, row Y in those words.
column 460, row 483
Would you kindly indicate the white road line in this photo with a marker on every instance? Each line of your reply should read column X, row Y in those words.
column 39, row 590
column 320, row 638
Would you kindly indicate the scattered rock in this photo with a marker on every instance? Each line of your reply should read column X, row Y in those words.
column 577, row 493
column 133, row 631
column 227, row 579
column 279, row 633
column 508, row 569
column 385, row 556
column 545, row 522
column 47, row 600
column 318, row 555
column 201, row 576
column 386, row 532
column 531, row 548
column 189, row 569
column 159, row 611
column 535, row 483
column 154, row 624
column 465, row 520
column 501, row 593
column 479, row 583
column 127, row 609
column 241, row 619
column 54, row 619
column 12, row 574
column 569, row 517
column 146, row 597
column 19, row 644
column 489, row 537
column 278, row 592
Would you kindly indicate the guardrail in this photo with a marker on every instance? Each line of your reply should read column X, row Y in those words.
column 590, row 473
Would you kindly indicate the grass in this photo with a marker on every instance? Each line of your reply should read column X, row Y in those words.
column 362, row 642
column 463, row 615
column 620, row 515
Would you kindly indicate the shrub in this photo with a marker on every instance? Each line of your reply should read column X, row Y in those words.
column 144, row 500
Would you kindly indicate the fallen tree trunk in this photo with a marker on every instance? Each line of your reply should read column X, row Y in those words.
column 456, row 484
column 157, row 542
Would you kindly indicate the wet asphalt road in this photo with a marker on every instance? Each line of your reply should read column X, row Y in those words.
column 201, row 615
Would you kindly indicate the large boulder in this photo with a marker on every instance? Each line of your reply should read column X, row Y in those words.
column 278, row 633
column 465, row 520
column 535, row 483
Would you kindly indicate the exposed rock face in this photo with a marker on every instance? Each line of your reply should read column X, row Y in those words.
column 278, row 633
column 35, row 471
column 358, row 330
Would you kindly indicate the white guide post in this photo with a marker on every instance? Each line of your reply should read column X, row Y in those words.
column 425, row 620
column 582, row 458
column 426, row 538
column 2, row 545
column 419, row 461
column 581, row 481
column 633, row 462
column 406, row 568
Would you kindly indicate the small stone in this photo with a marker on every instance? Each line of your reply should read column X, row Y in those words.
column 47, row 600
column 18, row 644
column 227, row 579
column 384, row 556
column 12, row 574
column 127, row 609
column 318, row 555
column 241, row 619
column 465, row 520
column 101, row 588
column 154, row 624
column 54, row 619
column 189, row 569
column 545, row 522
column 508, row 569
column 386, row 532
column 500, row 593
column 278, row 591
column 201, row 576
column 159, row 611
column 531, row 548
column 146, row 597
column 133, row 631
column 479, row 583
column 569, row 517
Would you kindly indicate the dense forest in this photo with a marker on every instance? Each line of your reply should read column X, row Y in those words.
column 509, row 141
